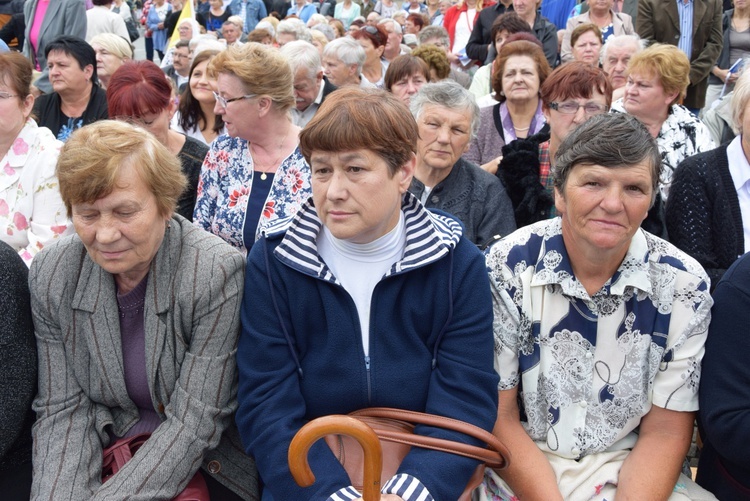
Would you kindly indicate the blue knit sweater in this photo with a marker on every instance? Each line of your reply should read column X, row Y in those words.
column 300, row 354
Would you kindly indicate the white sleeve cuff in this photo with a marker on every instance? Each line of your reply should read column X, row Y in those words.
column 345, row 494
column 407, row 487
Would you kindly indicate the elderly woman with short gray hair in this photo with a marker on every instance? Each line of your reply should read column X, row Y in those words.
column 136, row 318
column 448, row 118
column 343, row 59
column 599, row 333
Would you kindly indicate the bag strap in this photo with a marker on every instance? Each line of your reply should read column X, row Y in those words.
column 495, row 455
column 119, row 453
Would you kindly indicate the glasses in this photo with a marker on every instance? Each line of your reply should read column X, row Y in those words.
column 6, row 95
column 571, row 108
column 223, row 102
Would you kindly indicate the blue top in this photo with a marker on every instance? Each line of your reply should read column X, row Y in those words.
column 251, row 12
column 256, row 203
column 305, row 13
column 300, row 355
column 685, row 43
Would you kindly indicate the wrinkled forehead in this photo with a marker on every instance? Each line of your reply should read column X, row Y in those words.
column 62, row 56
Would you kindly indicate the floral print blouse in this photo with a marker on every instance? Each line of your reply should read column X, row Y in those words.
column 588, row 368
column 226, row 181
column 681, row 136
column 32, row 214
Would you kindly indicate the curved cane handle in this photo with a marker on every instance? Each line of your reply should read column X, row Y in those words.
column 337, row 425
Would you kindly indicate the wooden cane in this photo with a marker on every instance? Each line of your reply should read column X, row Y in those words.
column 337, row 425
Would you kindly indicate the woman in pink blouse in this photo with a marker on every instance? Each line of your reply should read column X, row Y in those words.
column 31, row 210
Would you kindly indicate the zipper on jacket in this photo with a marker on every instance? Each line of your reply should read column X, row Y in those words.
column 369, row 386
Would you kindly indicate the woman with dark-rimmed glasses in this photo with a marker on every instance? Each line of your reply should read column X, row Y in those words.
column 255, row 176
column 572, row 94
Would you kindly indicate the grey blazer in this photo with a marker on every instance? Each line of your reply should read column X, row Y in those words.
column 63, row 17
column 191, row 319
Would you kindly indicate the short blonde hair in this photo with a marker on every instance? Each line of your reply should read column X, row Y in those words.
column 666, row 63
column 90, row 162
column 115, row 45
column 262, row 70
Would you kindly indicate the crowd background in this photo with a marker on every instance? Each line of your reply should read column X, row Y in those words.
column 226, row 87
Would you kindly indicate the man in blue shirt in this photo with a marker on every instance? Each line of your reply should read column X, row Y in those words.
column 302, row 10
column 251, row 12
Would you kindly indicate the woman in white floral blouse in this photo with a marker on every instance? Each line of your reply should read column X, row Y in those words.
column 31, row 210
column 657, row 81
column 254, row 176
column 599, row 333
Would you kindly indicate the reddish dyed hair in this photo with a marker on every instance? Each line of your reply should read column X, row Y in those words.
column 369, row 32
column 518, row 48
column 575, row 80
column 416, row 19
column 137, row 88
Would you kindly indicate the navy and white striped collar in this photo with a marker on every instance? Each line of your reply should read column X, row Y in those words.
column 429, row 237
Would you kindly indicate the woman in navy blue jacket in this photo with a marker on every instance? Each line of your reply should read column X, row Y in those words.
column 724, row 414
column 367, row 299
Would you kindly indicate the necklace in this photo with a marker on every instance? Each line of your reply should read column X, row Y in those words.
column 522, row 128
column 263, row 174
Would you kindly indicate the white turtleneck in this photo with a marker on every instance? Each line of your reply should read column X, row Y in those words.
column 359, row 267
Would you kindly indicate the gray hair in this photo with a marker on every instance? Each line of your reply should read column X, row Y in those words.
column 615, row 140
column 266, row 25
column 346, row 50
column 618, row 41
column 316, row 19
column 236, row 21
column 396, row 26
column 450, row 95
column 301, row 54
column 294, row 27
column 430, row 32
column 326, row 30
column 740, row 97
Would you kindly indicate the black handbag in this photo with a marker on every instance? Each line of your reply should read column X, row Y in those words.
column 133, row 32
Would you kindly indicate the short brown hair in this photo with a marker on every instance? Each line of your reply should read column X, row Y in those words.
column 573, row 80
column 518, row 48
column 259, row 35
column 91, row 159
column 584, row 28
column 510, row 22
column 262, row 70
column 436, row 59
column 16, row 73
column 352, row 119
column 405, row 66
column 666, row 63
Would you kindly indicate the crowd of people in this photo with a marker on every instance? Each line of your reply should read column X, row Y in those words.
column 530, row 218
